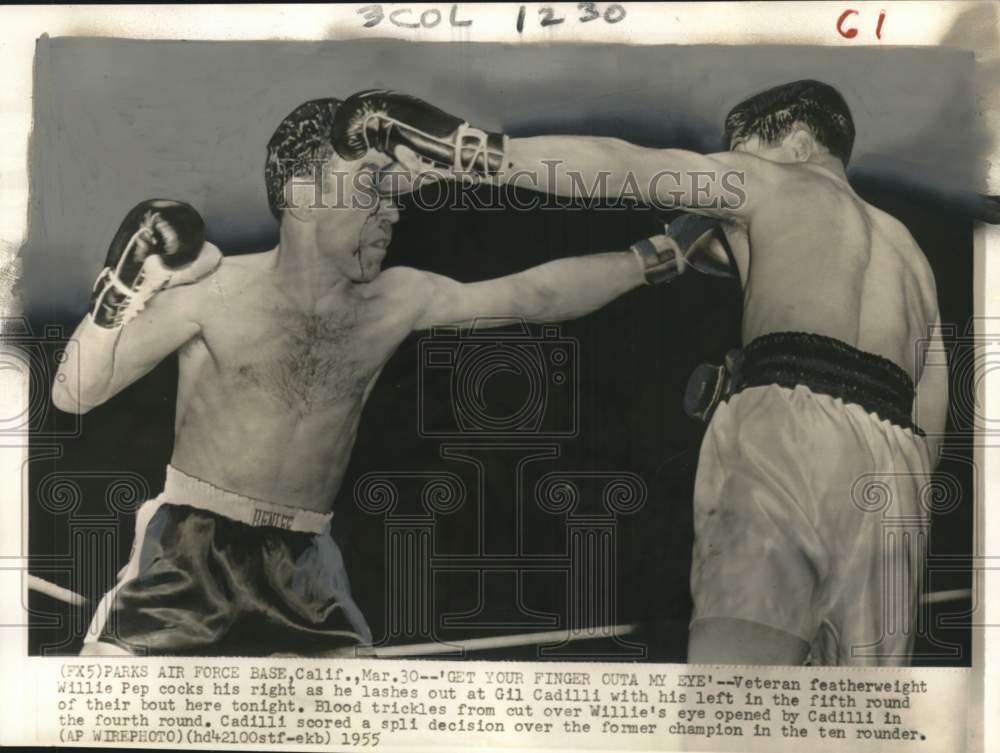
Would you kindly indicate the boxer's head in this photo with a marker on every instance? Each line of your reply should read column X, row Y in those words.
column 793, row 122
column 310, row 184
column 300, row 144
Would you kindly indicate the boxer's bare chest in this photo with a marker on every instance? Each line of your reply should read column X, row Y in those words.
column 306, row 361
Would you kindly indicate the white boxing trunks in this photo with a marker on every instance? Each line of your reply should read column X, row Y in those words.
column 808, row 509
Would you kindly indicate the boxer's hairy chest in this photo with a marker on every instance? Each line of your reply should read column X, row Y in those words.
column 305, row 361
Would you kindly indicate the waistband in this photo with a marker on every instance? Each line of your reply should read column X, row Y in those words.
column 831, row 367
column 182, row 489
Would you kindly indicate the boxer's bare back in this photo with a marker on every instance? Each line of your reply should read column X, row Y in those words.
column 813, row 256
column 826, row 262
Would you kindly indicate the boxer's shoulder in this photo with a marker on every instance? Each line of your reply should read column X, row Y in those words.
column 807, row 195
column 185, row 289
column 231, row 285
column 770, row 185
column 757, row 168
column 405, row 291
column 399, row 284
column 236, row 273
column 234, row 265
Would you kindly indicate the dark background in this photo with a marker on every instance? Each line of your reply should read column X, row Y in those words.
column 118, row 121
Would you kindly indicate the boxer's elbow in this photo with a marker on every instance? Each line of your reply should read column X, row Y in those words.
column 65, row 401
column 70, row 400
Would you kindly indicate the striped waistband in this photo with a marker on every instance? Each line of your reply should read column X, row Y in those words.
column 182, row 489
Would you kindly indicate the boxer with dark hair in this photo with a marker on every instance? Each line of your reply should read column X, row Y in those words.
column 789, row 564
column 772, row 114
column 278, row 352
column 299, row 145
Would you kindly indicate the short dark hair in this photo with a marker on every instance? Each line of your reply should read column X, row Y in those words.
column 299, row 140
column 771, row 114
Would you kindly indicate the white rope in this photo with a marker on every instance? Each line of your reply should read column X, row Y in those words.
column 476, row 644
column 939, row 597
column 504, row 641
column 56, row 592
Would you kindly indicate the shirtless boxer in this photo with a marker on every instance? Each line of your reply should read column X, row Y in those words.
column 278, row 352
column 786, row 565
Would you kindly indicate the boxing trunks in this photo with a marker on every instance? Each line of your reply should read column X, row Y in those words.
column 214, row 573
column 807, row 507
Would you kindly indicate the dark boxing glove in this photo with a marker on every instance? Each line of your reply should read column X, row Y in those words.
column 709, row 385
column 689, row 243
column 161, row 243
column 382, row 120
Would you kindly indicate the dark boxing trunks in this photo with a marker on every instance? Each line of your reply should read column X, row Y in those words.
column 213, row 573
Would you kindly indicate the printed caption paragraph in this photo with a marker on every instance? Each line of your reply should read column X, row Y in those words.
column 377, row 704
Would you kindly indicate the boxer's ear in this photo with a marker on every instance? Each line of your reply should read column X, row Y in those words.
column 801, row 144
column 301, row 195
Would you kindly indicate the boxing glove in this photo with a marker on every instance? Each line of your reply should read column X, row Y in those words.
column 711, row 384
column 382, row 120
column 687, row 244
column 160, row 243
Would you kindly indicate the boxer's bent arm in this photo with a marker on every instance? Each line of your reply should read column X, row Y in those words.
column 930, row 401
column 111, row 359
column 551, row 292
column 720, row 185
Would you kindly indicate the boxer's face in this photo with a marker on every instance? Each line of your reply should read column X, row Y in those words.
column 373, row 242
column 354, row 224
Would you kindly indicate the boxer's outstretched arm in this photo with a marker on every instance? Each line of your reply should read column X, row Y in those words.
column 111, row 359
column 721, row 185
column 433, row 143
column 551, row 292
